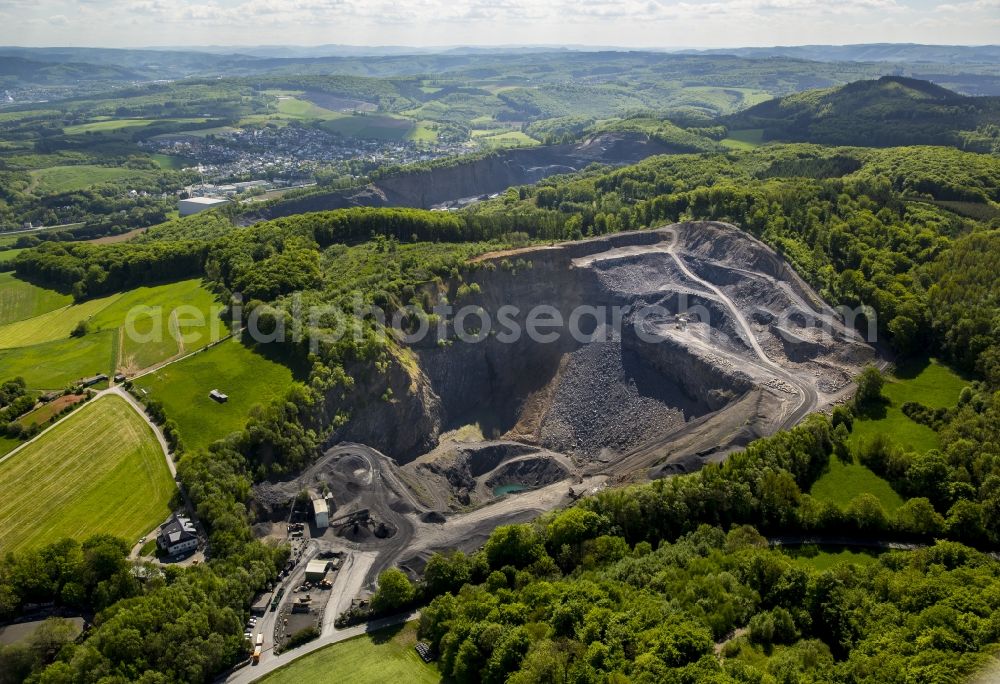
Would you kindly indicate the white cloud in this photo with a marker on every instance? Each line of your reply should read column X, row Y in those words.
column 659, row 23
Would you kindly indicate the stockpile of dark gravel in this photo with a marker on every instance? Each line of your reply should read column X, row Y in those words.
column 608, row 399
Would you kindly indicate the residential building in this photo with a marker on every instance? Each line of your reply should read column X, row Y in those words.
column 177, row 536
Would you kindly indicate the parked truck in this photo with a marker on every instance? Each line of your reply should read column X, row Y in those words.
column 258, row 648
column 276, row 601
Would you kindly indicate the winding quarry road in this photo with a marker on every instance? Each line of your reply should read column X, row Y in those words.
column 807, row 395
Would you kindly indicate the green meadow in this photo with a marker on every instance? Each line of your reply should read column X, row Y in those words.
column 55, row 365
column 383, row 656
column 746, row 139
column 103, row 467
column 80, row 177
column 20, row 299
column 129, row 331
column 928, row 383
column 248, row 378
column 844, row 481
column 52, row 325
column 822, row 559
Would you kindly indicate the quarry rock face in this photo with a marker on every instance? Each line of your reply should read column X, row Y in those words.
column 405, row 425
column 708, row 317
column 493, row 173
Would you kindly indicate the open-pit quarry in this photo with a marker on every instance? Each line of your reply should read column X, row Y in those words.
column 679, row 345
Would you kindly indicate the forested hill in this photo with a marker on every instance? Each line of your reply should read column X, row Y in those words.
column 17, row 70
column 887, row 112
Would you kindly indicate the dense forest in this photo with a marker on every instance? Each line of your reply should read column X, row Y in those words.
column 645, row 613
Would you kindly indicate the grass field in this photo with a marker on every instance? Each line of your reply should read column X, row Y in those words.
column 294, row 108
column 843, row 481
column 826, row 558
column 70, row 178
column 929, row 383
column 496, row 139
column 170, row 161
column 9, row 254
column 189, row 304
column 109, row 125
column 383, row 656
column 99, row 471
column 247, row 377
column 20, row 300
column 746, row 139
column 41, row 350
column 197, row 132
column 52, row 325
column 55, row 365
column 424, row 131
column 7, row 444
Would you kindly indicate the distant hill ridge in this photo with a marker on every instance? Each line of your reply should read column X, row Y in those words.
column 886, row 112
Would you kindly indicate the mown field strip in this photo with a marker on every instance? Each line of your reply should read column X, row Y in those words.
column 54, row 325
column 101, row 470
column 20, row 299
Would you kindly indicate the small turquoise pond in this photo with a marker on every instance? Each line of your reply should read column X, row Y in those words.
column 500, row 490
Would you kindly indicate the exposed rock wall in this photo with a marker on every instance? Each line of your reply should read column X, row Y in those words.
column 602, row 398
column 703, row 378
column 425, row 188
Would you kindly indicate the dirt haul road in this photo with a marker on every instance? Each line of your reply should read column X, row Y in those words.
column 807, row 393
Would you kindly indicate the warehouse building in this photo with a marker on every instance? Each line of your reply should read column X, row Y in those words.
column 321, row 513
column 195, row 204
column 316, row 570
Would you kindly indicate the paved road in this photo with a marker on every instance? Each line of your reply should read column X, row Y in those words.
column 852, row 542
column 251, row 673
column 38, row 229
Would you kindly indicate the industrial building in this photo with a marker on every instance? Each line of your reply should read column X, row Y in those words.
column 195, row 204
column 316, row 570
column 261, row 605
column 321, row 513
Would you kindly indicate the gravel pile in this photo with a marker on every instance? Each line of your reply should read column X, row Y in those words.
column 608, row 400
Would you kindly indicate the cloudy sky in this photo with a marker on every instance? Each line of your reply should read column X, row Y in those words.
column 638, row 23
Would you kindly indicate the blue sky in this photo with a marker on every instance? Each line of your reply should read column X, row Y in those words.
column 638, row 23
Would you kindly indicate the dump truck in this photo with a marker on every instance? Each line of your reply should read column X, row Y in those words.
column 258, row 647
